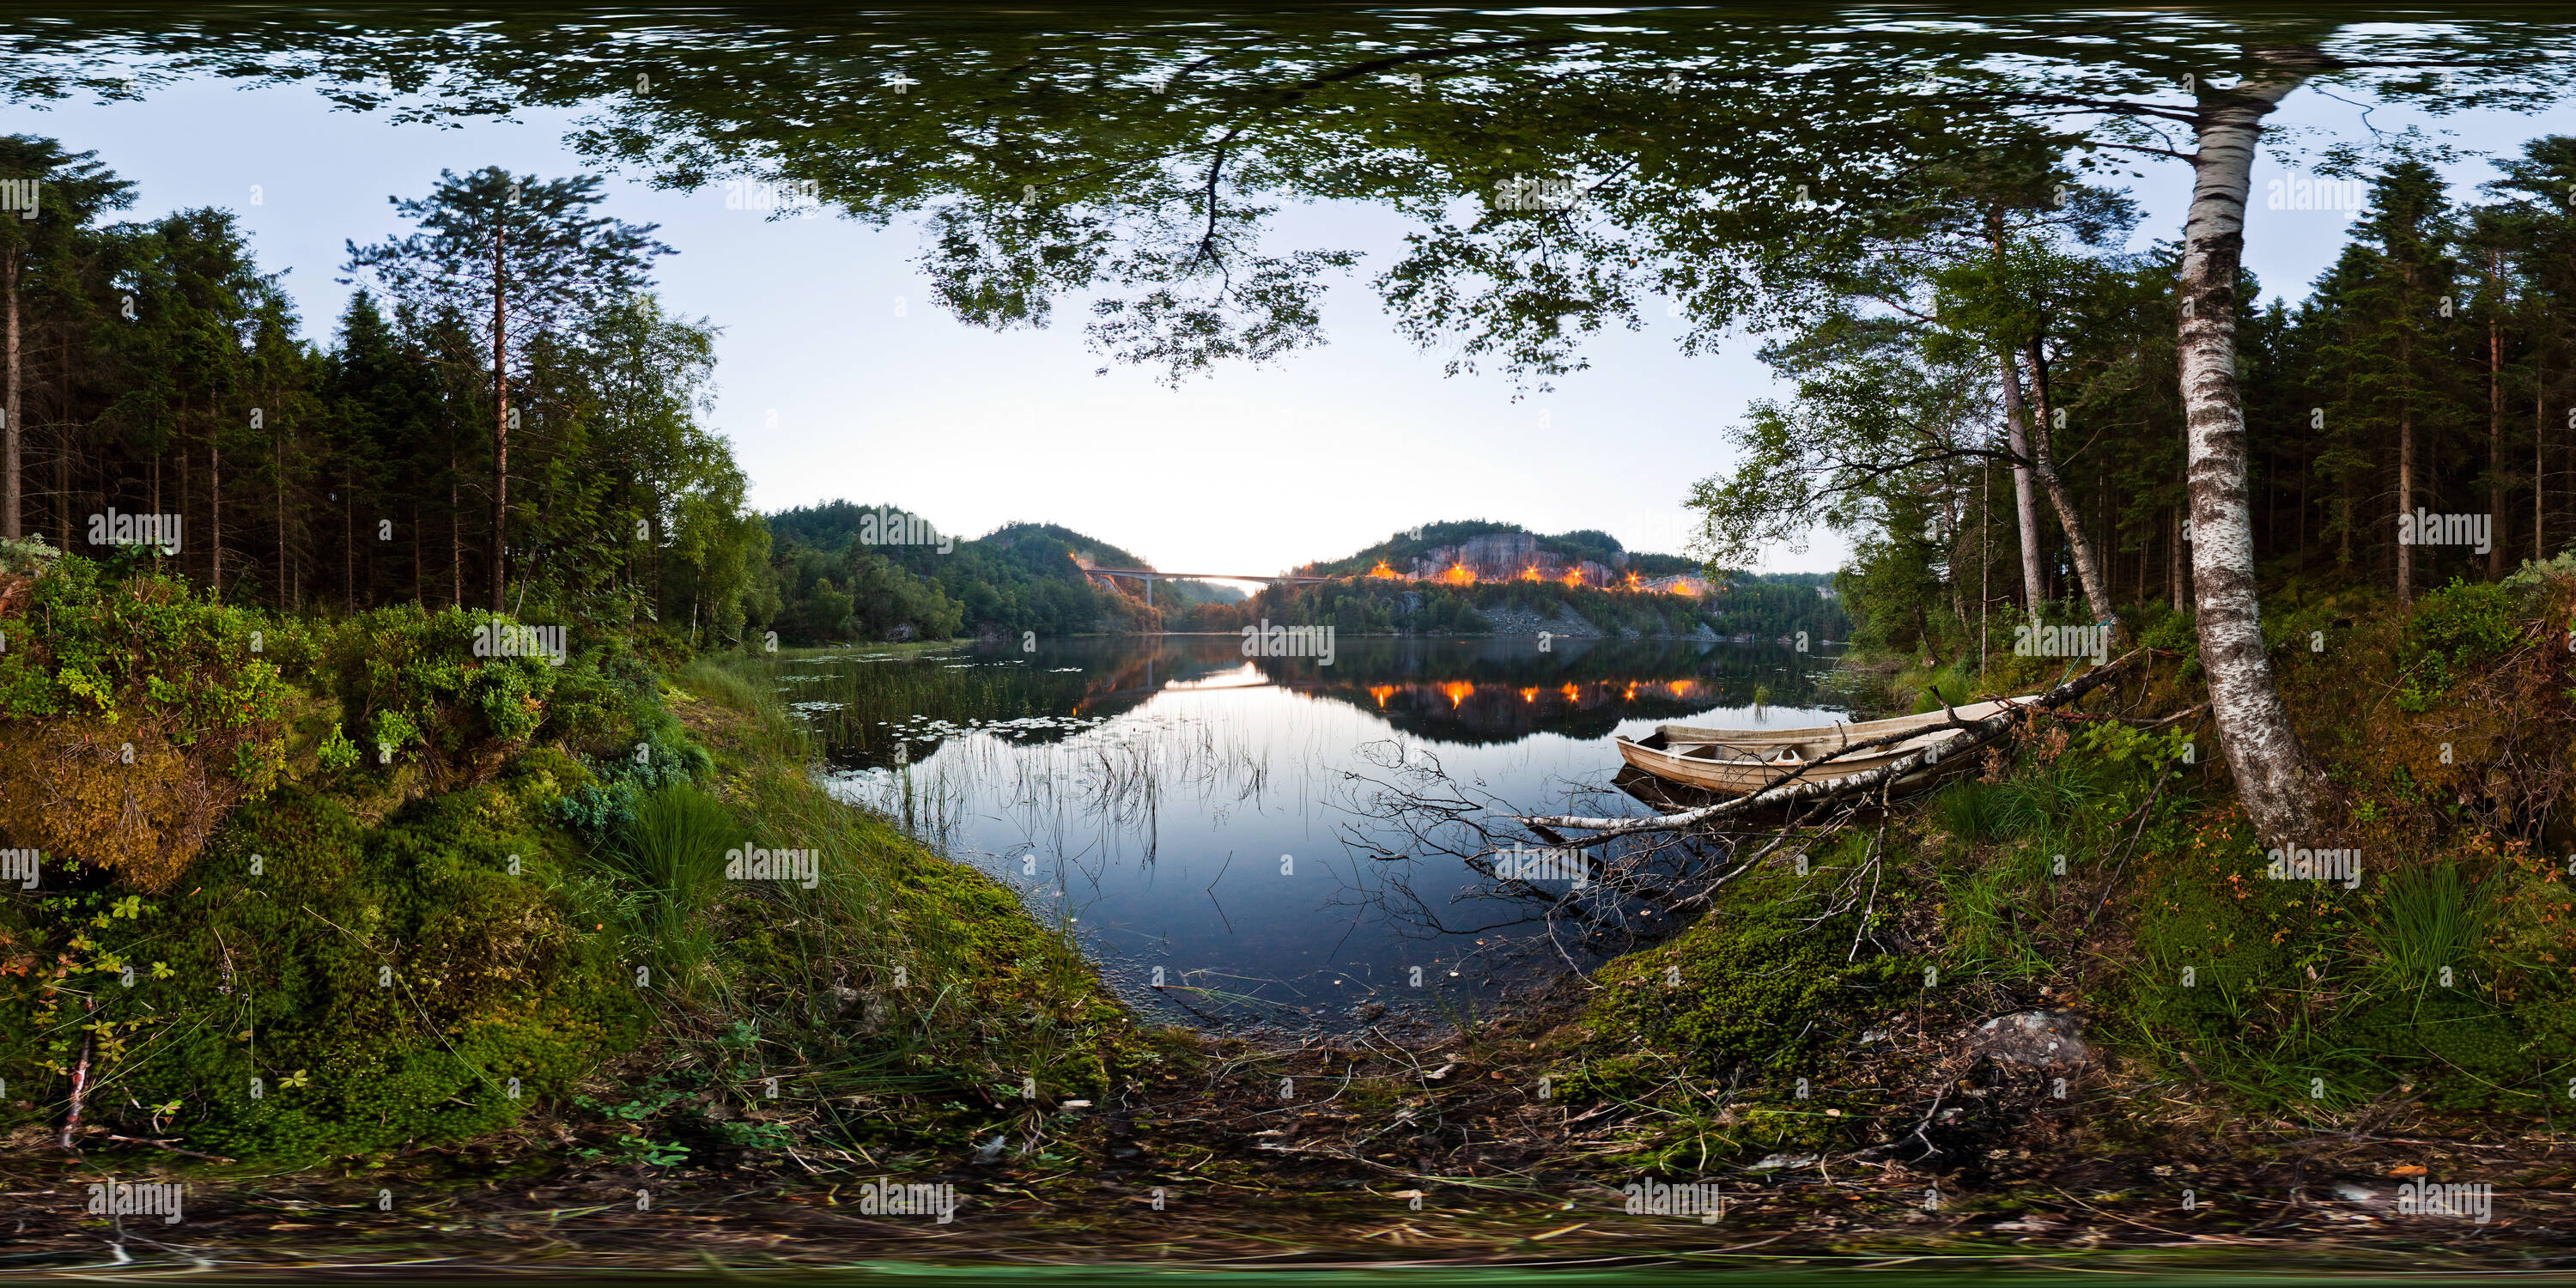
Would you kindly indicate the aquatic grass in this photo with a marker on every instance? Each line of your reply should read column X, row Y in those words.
column 2426, row 918
column 672, row 853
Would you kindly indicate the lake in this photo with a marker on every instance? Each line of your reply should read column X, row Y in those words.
column 1213, row 825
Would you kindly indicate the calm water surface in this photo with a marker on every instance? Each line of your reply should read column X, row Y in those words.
column 1195, row 812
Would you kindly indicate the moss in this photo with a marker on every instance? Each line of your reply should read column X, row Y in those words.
column 137, row 713
column 1753, row 989
column 384, row 987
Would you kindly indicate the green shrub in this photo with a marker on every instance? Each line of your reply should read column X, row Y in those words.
column 2451, row 632
column 414, row 679
column 337, row 752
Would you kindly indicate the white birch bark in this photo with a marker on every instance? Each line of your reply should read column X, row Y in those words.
column 2043, row 462
column 2034, row 581
column 2275, row 778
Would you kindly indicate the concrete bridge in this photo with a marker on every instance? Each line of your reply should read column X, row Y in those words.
column 1149, row 577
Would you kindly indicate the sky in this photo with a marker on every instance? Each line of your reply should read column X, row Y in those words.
column 838, row 379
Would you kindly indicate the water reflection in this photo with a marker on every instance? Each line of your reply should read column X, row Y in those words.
column 1190, row 808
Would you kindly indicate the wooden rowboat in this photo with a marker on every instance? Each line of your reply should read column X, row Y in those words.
column 1731, row 772
column 1830, row 736
column 1732, row 765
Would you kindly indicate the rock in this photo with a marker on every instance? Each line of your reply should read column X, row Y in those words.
column 2038, row 1039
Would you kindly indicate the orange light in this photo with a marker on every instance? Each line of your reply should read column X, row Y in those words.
column 1458, row 691
column 1382, row 692
column 1530, row 573
column 1458, row 575
column 1382, row 570
column 1574, row 578
column 1572, row 694
column 1529, row 695
column 1632, row 691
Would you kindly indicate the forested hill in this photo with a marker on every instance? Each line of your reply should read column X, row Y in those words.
column 846, row 572
column 852, row 572
column 832, row 525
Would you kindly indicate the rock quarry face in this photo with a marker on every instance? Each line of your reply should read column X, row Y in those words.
column 1502, row 556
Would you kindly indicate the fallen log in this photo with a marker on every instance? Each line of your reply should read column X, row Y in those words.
column 1973, row 734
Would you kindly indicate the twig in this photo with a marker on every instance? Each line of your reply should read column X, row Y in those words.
column 2145, row 813
column 80, row 1082
column 163, row 1144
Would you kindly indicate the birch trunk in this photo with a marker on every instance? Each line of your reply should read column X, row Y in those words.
column 2034, row 581
column 2043, row 462
column 2275, row 778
